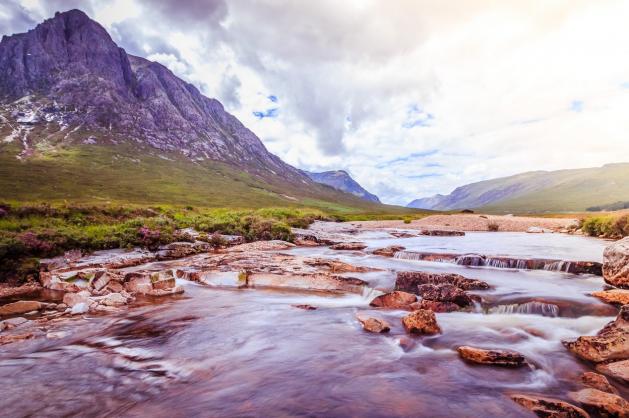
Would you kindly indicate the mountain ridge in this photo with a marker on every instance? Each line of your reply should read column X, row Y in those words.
column 341, row 180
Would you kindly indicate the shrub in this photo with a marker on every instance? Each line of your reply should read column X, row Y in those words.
column 493, row 226
column 408, row 220
column 217, row 241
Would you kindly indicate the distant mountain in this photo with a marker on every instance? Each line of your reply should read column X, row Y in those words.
column 81, row 118
column 539, row 191
column 341, row 180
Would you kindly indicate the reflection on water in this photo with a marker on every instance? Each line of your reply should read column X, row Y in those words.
column 243, row 352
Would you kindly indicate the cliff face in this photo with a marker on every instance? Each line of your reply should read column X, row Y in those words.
column 341, row 180
column 68, row 81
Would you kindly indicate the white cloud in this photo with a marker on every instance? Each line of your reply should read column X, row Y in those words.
column 499, row 79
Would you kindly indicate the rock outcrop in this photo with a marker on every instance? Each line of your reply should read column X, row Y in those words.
column 616, row 263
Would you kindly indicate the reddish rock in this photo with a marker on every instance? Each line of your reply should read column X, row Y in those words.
column 618, row 370
column 597, row 381
column 164, row 283
column 388, row 251
column 8, row 339
column 421, row 321
column 20, row 307
column 435, row 306
column 442, row 233
column 394, row 300
column 504, row 358
column 374, row 324
column 444, row 293
column 409, row 280
column 349, row 246
column 72, row 299
column 616, row 263
column 138, row 283
column 614, row 296
column 549, row 407
column 601, row 403
column 337, row 266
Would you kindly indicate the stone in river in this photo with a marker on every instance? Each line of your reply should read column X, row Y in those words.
column 597, row 381
column 409, row 280
column 442, row 233
column 444, row 293
column 394, row 300
column 435, row 306
column 349, row 246
column 421, row 321
column 72, row 299
column 305, row 307
column 388, row 251
column 375, row 325
column 618, row 370
column 601, row 403
column 615, row 296
column 549, row 407
column 20, row 307
column 504, row 358
column 616, row 263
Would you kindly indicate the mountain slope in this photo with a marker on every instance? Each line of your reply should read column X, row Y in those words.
column 82, row 119
column 539, row 191
column 341, row 180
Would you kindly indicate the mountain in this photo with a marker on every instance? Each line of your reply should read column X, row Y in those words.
column 81, row 119
column 539, row 191
column 341, row 180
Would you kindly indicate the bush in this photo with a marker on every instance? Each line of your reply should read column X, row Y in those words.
column 493, row 226
column 609, row 226
column 408, row 220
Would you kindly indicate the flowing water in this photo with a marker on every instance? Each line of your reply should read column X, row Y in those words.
column 215, row 352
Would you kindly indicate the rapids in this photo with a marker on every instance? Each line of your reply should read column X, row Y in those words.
column 224, row 351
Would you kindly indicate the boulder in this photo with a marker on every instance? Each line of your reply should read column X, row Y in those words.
column 73, row 299
column 618, row 370
column 601, row 403
column 445, row 293
column 434, row 306
column 549, row 407
column 611, row 343
column 503, row 358
column 616, row 263
column 421, row 321
column 20, row 307
column 375, row 325
column 409, row 280
column 597, row 381
column 349, row 246
column 388, row 251
column 394, row 300
column 614, row 296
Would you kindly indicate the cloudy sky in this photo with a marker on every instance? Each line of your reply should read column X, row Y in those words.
column 412, row 98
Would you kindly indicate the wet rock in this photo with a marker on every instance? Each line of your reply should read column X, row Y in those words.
column 409, row 280
column 618, row 370
column 8, row 339
column 306, row 281
column 113, row 299
column 614, row 296
column 177, row 250
column 80, row 308
column 12, row 323
column 305, row 307
column 101, row 279
column 20, row 307
column 394, row 300
column 549, row 407
column 374, row 325
column 435, row 306
column 597, row 381
column 389, row 251
column 166, row 292
column 403, row 234
column 336, row 266
column 601, row 403
column 349, row 246
column 442, row 233
column 611, row 343
column 73, row 299
column 505, row 358
column 421, row 321
column 616, row 263
column 163, row 280
column 138, row 283
column 445, row 293
column 273, row 245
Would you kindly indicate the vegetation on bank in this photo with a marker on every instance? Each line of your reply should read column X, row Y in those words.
column 606, row 226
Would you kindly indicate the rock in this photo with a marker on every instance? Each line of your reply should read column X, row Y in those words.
column 305, row 307
column 435, row 306
column 166, row 292
column 402, row 234
column 177, row 250
column 73, row 299
column 8, row 339
column 614, row 296
column 12, row 323
column 113, row 299
column 549, row 407
column 616, row 263
column 597, row 381
column 444, row 293
column 349, row 246
column 138, row 283
column 611, row 343
column 388, row 251
column 80, row 308
column 601, row 403
column 409, row 280
column 618, row 370
column 273, row 245
column 163, row 283
column 394, row 300
column 442, row 233
column 374, row 324
column 101, row 280
column 20, row 307
column 504, row 358
column 337, row 266
column 421, row 321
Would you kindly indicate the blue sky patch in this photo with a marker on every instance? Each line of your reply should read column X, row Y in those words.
column 576, row 106
column 415, row 116
column 272, row 98
column 269, row 113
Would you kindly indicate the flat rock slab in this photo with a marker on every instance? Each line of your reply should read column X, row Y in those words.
column 615, row 296
column 349, row 246
column 618, row 370
column 20, row 307
column 504, row 358
column 549, row 407
column 601, row 403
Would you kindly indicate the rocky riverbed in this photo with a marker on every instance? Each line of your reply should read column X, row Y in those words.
column 337, row 324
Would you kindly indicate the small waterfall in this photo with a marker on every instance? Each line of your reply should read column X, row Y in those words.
column 529, row 308
column 417, row 256
column 369, row 293
column 559, row 266
column 473, row 260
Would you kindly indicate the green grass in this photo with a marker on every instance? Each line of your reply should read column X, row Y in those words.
column 606, row 226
